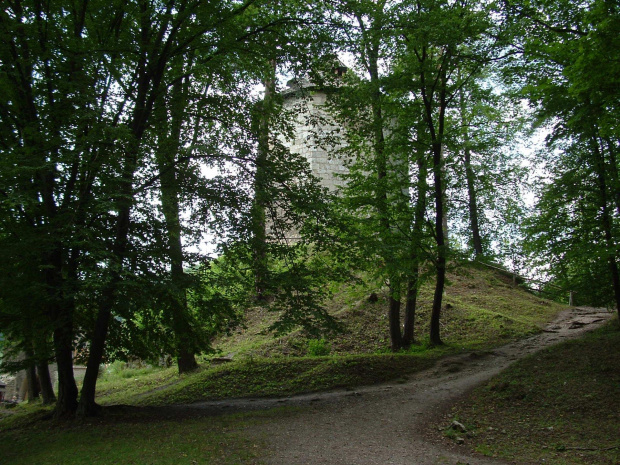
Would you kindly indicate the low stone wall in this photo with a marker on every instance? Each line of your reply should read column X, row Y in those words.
column 16, row 386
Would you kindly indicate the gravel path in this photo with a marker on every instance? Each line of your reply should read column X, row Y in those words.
column 389, row 424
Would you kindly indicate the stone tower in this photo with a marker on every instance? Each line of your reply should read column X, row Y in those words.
column 306, row 100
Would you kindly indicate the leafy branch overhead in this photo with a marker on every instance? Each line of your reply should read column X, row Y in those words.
column 157, row 177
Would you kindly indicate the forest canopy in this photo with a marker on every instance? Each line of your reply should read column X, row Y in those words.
column 132, row 132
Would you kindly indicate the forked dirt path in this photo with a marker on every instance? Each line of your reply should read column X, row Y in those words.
column 388, row 424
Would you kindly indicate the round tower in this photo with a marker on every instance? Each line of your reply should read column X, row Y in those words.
column 314, row 128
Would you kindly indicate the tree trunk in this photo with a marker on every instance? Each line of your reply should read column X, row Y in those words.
column 66, row 403
column 444, row 214
column 42, row 357
column 606, row 223
column 63, row 334
column 261, row 194
column 381, row 197
column 32, row 383
column 394, row 319
column 472, row 204
column 47, row 390
column 413, row 284
column 166, row 157
column 471, row 183
column 87, row 405
column 436, row 133
column 615, row 275
column 435, row 338
column 613, row 170
column 410, row 308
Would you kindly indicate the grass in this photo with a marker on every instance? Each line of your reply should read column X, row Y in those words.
column 482, row 310
column 119, row 388
column 281, row 377
column 132, row 439
column 558, row 406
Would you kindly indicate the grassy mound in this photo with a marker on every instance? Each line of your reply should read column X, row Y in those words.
column 273, row 377
column 483, row 309
column 557, row 406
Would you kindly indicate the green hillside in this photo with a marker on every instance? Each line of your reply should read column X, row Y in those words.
column 483, row 309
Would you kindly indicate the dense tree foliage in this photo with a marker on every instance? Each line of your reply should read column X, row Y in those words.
column 133, row 132
column 572, row 80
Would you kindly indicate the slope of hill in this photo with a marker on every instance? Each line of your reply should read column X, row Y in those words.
column 483, row 309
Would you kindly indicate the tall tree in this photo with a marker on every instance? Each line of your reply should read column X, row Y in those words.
column 563, row 47
column 444, row 44
column 165, row 34
column 81, row 86
column 375, row 147
column 167, row 154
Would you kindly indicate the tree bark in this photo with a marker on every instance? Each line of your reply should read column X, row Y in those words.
column 444, row 199
column 472, row 204
column 436, row 133
column 410, row 307
column 371, row 47
column 45, row 380
column 606, row 223
column 166, row 156
column 42, row 357
column 261, row 177
column 470, row 178
column 87, row 405
column 413, row 284
column 435, row 338
column 394, row 319
column 32, row 383
column 66, row 403
column 62, row 310
column 613, row 170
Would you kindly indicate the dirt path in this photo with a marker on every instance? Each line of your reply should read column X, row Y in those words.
column 389, row 423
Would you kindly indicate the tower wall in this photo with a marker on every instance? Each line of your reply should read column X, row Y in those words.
column 312, row 124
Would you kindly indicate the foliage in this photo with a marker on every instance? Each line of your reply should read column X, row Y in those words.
column 574, row 231
column 132, row 131
column 111, row 116
column 318, row 347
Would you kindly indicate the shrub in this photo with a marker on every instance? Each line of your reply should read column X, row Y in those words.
column 318, row 347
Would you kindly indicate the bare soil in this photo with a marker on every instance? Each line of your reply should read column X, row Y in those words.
column 393, row 423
